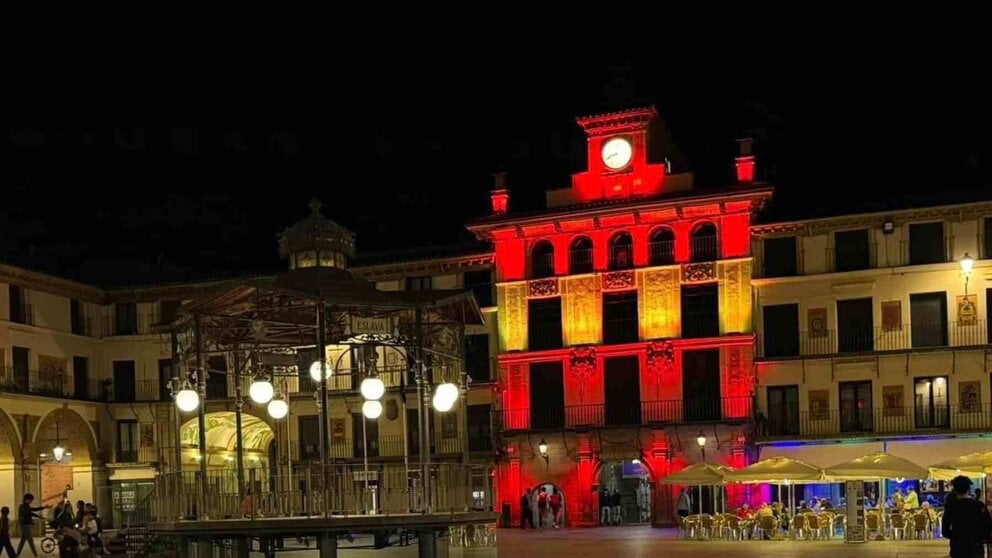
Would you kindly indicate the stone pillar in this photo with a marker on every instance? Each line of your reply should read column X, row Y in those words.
column 328, row 545
column 510, row 489
column 243, row 547
column 659, row 457
column 586, row 508
column 182, row 547
column 429, row 545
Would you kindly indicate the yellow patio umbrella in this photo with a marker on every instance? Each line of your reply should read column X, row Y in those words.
column 698, row 474
column 876, row 466
column 972, row 464
column 776, row 470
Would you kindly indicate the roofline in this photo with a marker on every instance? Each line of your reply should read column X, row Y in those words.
column 759, row 191
column 880, row 216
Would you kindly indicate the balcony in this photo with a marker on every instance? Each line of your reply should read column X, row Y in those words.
column 703, row 248
column 661, row 252
column 49, row 384
column 578, row 417
column 580, row 261
column 905, row 421
column 140, row 455
column 149, row 390
column 907, row 336
column 144, row 324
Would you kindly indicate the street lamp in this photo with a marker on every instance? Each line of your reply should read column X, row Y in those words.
column 261, row 390
column 58, row 451
column 445, row 397
column 967, row 263
column 542, row 447
column 278, row 408
column 372, row 389
column 315, row 371
column 701, row 442
column 187, row 399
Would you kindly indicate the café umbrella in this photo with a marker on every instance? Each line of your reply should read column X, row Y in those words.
column 777, row 470
column 699, row 474
column 876, row 466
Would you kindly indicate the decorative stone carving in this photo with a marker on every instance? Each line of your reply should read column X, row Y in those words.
column 661, row 357
column 618, row 280
column 582, row 363
column 735, row 368
column 543, row 287
column 582, row 310
column 699, row 272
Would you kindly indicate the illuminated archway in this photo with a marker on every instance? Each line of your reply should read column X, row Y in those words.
column 621, row 251
column 67, row 428
column 10, row 455
column 222, row 446
column 703, row 243
column 542, row 260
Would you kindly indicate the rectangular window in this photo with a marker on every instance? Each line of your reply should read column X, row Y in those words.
column 81, row 379
column 928, row 319
column 20, row 361
column 547, row 396
column 780, row 333
column 987, row 238
column 623, row 390
column 926, row 243
column 127, row 441
column 700, row 311
column 477, row 360
column 217, row 377
column 780, row 257
column 422, row 283
column 930, row 406
column 18, row 312
column 855, row 407
column 76, row 317
column 544, row 324
column 164, row 377
column 309, row 437
column 701, row 385
column 168, row 311
column 413, row 431
column 852, row 250
column 783, row 410
column 126, row 318
column 481, row 284
column 124, row 380
column 620, row 317
column 855, row 325
column 479, row 430
column 368, row 440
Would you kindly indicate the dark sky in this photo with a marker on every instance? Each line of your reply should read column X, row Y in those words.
column 400, row 151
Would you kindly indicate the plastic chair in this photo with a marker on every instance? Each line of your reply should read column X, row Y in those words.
column 825, row 525
column 897, row 525
column 873, row 522
column 922, row 526
column 768, row 525
column 706, row 524
column 799, row 525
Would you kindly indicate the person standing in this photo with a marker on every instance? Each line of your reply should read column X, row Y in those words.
column 26, row 514
column 542, row 507
column 526, row 514
column 5, row 543
column 912, row 500
column 555, row 502
column 966, row 521
column 683, row 504
column 615, row 503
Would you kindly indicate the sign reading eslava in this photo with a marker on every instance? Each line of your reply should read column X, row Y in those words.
column 371, row 326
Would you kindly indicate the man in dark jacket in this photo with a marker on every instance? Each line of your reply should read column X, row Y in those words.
column 966, row 521
column 26, row 514
column 526, row 515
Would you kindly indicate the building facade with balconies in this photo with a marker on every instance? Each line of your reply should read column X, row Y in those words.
column 872, row 334
column 625, row 329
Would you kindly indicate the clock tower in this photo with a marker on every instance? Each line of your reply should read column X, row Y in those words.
column 625, row 157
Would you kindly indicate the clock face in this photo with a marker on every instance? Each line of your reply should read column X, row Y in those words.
column 617, row 153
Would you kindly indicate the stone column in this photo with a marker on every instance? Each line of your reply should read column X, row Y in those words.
column 429, row 545
column 204, row 546
column 586, row 508
column 327, row 544
column 659, row 456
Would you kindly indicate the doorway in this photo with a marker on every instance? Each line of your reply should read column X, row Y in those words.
column 624, row 493
column 551, row 518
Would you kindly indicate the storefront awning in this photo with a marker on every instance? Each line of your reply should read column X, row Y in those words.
column 923, row 452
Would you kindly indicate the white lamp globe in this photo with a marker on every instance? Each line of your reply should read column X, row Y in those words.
column 261, row 391
column 278, row 408
column 58, row 451
column 372, row 388
column 187, row 400
column 315, row 371
column 372, row 409
column 445, row 397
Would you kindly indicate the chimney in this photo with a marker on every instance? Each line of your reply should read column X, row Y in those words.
column 500, row 195
column 745, row 161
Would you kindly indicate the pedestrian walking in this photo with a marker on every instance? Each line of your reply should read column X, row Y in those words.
column 26, row 514
column 526, row 514
column 966, row 522
column 5, row 543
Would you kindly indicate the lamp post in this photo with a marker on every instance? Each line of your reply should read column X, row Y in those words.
column 701, row 442
column 542, row 447
column 967, row 264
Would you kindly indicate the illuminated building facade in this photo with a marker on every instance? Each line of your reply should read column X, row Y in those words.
column 625, row 325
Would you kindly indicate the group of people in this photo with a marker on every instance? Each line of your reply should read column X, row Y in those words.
column 544, row 507
column 610, row 511
column 77, row 529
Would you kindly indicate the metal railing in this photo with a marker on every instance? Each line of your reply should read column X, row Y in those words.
column 906, row 336
column 621, row 257
column 700, row 325
column 761, row 266
column 878, row 420
column 50, row 384
column 580, row 261
column 542, row 265
column 621, row 330
column 661, row 252
column 938, row 251
column 150, row 390
column 144, row 324
column 543, row 336
column 703, row 249
column 673, row 411
column 386, row 489
column 391, row 445
column 143, row 454
column 851, row 258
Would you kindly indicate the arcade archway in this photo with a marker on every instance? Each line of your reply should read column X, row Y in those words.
column 222, row 446
column 65, row 428
column 10, row 454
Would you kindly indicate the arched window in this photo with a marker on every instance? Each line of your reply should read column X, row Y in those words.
column 661, row 247
column 580, row 255
column 621, row 251
column 542, row 260
column 703, row 243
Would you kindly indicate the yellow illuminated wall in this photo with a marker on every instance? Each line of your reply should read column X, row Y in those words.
column 735, row 296
column 659, row 302
column 581, row 310
column 512, row 301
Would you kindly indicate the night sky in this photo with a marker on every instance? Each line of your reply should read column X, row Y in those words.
column 401, row 151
